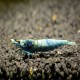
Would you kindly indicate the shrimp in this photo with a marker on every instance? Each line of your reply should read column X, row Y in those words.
column 30, row 46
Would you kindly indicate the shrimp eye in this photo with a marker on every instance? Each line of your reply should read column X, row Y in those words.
column 28, row 44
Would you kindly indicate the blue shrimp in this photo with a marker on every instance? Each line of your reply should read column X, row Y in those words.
column 30, row 46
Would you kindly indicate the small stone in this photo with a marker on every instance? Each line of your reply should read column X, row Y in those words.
column 59, row 52
column 78, row 31
column 54, row 18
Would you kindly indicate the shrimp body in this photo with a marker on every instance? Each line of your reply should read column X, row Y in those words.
column 32, row 45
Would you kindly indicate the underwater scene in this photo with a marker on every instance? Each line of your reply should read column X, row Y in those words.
column 39, row 39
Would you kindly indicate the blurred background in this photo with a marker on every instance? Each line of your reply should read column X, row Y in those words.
column 40, row 18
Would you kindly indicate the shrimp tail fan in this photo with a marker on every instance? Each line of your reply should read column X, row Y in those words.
column 71, row 43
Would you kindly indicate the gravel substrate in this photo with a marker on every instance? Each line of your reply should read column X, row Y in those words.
column 37, row 19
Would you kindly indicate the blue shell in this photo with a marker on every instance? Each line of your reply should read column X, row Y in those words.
column 31, row 45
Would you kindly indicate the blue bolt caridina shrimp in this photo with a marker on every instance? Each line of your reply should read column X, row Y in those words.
column 30, row 46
